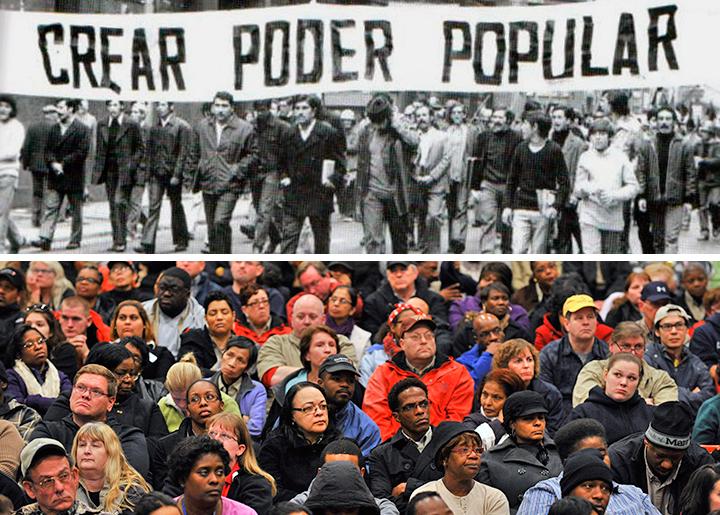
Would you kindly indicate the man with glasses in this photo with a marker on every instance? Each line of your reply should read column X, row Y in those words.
column 654, row 295
column 656, row 386
column 671, row 355
column 50, row 479
column 82, row 327
column 250, row 272
column 88, row 284
column 450, row 387
column 92, row 399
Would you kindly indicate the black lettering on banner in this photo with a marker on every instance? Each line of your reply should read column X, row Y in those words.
column 253, row 54
column 338, row 52
column 450, row 55
column 382, row 53
column 569, row 50
column 587, row 69
column 626, row 40
column 87, row 59
column 107, row 58
column 172, row 61
column 316, row 29
column 141, row 64
column 58, row 35
column 515, row 57
column 270, row 29
column 654, row 39
column 480, row 29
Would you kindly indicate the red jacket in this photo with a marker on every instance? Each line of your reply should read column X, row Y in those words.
column 450, row 390
column 102, row 329
column 260, row 339
column 547, row 333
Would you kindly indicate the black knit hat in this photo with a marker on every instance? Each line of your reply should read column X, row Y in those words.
column 521, row 404
column 671, row 426
column 581, row 466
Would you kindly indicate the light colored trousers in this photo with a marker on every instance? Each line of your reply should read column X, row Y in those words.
column 529, row 232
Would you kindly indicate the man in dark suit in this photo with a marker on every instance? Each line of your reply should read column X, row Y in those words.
column 67, row 148
column 308, row 189
column 33, row 158
column 120, row 150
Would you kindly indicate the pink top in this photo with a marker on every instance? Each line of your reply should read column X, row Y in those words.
column 230, row 507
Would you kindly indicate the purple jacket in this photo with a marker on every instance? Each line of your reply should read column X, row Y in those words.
column 17, row 390
column 471, row 303
column 252, row 399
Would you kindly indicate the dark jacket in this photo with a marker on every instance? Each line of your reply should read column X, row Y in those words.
column 129, row 153
column 167, row 149
column 133, row 411
column 628, row 465
column 553, row 402
column 681, row 178
column 705, row 341
column 200, row 344
column 160, row 452
column 274, row 139
column 515, row 469
column 381, row 303
column 614, row 272
column 10, row 315
column 132, row 439
column 201, row 286
column 32, row 153
column 104, row 306
column 689, row 374
column 560, row 366
column 305, row 171
column 70, row 150
column 619, row 418
column 339, row 485
column 508, row 139
column 252, row 490
column 291, row 460
column 626, row 312
column 396, row 461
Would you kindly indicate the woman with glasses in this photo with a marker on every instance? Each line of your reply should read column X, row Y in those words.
column 47, row 284
column 150, row 389
column 246, row 482
column 617, row 405
column 256, row 321
column 341, row 308
column 458, row 455
column 107, row 481
column 527, row 456
column 33, row 379
column 62, row 353
column 292, row 452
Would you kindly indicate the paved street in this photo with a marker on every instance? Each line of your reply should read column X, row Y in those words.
column 346, row 235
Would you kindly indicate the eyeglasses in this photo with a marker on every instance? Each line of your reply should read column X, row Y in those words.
column 90, row 280
column 491, row 332
column 466, row 451
column 338, row 300
column 626, row 347
column 307, row 410
column 49, row 482
column 419, row 337
column 120, row 374
column 28, row 344
column 42, row 271
column 407, row 408
column 209, row 397
column 256, row 303
column 93, row 392
column 669, row 327
column 221, row 437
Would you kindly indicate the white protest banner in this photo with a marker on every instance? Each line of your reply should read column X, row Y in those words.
column 279, row 51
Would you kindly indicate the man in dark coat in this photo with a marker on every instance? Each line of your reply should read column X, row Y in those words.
column 661, row 460
column 67, row 149
column 120, row 150
column 339, row 487
column 33, row 158
column 310, row 186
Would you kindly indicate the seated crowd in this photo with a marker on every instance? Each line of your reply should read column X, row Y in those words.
column 196, row 388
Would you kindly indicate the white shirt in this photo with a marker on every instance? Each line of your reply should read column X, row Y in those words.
column 305, row 133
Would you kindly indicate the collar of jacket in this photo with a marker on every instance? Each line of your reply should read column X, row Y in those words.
column 566, row 349
column 515, row 453
column 297, row 440
column 399, row 361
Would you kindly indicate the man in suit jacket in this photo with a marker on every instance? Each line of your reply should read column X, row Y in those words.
column 307, row 195
column 120, row 151
column 67, row 149
column 33, row 158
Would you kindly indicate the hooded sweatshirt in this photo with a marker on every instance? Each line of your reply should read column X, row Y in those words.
column 339, row 485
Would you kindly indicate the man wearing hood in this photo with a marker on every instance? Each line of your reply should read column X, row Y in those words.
column 339, row 488
column 12, row 286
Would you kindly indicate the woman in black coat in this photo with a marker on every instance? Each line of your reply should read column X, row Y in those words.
column 618, row 405
column 292, row 452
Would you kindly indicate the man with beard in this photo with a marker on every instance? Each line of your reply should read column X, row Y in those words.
column 494, row 152
column 668, row 178
column 67, row 148
column 167, row 149
column 174, row 311
column 12, row 286
column 338, row 377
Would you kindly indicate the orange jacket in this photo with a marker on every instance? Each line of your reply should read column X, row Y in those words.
column 450, row 390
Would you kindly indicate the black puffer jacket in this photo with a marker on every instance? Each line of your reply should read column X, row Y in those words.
column 199, row 342
column 620, row 419
column 253, row 490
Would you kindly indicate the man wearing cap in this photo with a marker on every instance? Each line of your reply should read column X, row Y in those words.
column 587, row 477
column 174, row 311
column 656, row 386
column 123, row 277
column 385, row 149
column 450, row 387
column 660, row 461
column 671, row 355
column 12, row 286
column 654, row 295
column 338, row 377
column 562, row 360
column 50, row 479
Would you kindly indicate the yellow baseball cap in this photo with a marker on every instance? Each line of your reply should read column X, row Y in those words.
column 577, row 302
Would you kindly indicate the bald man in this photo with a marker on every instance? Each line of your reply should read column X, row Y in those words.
column 488, row 335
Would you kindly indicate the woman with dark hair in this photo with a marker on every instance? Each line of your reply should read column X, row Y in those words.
column 527, row 456
column 292, row 452
column 491, row 273
column 201, row 464
column 316, row 344
column 490, row 398
column 207, row 344
column 150, row 389
column 340, row 310
column 156, row 503
column 256, row 321
column 33, row 380
column 701, row 495
column 625, row 308
column 62, row 353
